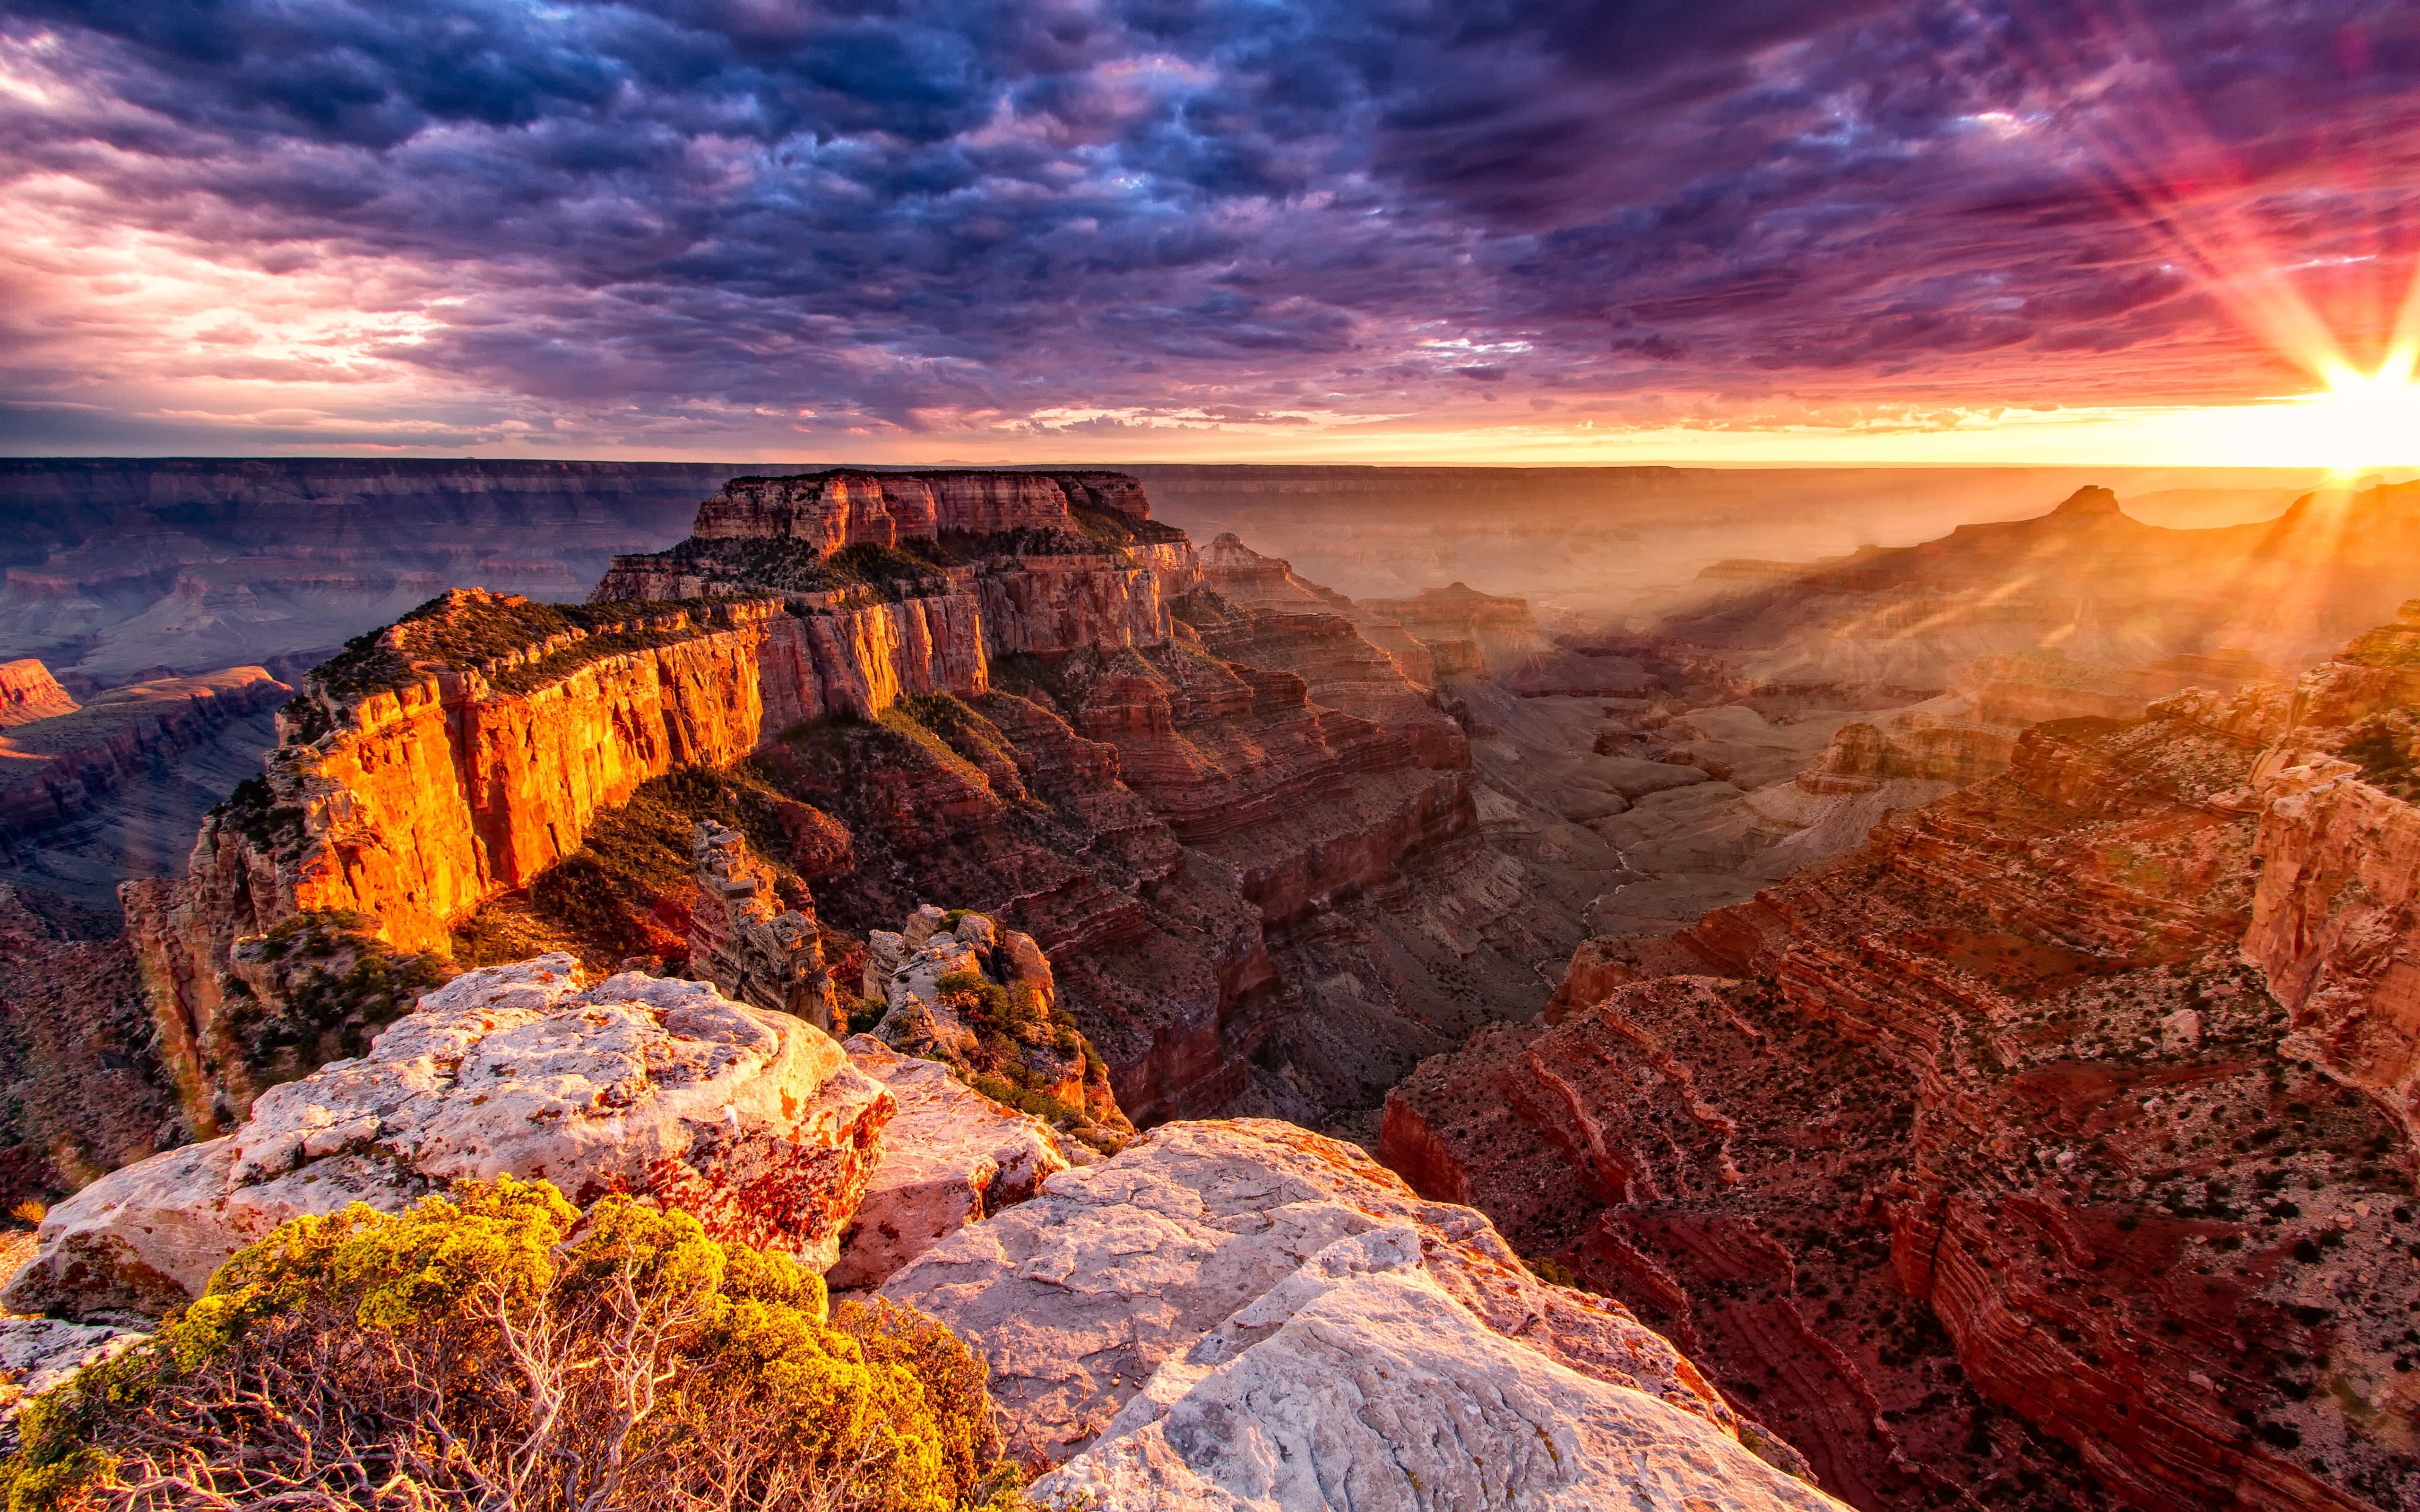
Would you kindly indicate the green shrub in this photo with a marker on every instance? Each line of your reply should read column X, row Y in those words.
column 495, row 1348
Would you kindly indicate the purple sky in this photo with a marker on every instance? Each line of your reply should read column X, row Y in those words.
column 1513, row 230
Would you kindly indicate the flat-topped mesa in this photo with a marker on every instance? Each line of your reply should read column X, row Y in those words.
column 1503, row 629
column 1055, row 560
column 845, row 507
column 28, row 692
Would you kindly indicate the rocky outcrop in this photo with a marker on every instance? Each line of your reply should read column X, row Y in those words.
column 951, row 1157
column 1359, row 1379
column 2009, row 1060
column 38, row 1354
column 28, row 692
column 740, row 939
column 1237, row 1233
column 754, row 1121
column 959, row 989
column 56, row 767
column 1503, row 629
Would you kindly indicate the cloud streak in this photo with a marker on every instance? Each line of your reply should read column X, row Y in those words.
column 754, row 227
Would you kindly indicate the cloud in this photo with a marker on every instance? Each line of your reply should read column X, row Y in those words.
column 750, row 223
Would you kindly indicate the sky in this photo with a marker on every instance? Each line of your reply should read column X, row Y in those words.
column 1494, row 231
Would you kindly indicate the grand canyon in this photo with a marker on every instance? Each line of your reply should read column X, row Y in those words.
column 1158, row 756
column 1930, row 1015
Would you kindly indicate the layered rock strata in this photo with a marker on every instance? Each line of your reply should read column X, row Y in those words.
column 28, row 692
column 2055, row 1143
column 961, row 991
column 753, row 951
column 1274, row 898
column 83, row 1089
column 54, row 767
column 754, row 1121
column 2156, row 610
column 1239, row 1235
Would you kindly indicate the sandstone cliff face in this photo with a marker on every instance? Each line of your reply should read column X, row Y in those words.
column 1977, row 1159
column 843, row 507
column 1179, row 815
column 402, row 799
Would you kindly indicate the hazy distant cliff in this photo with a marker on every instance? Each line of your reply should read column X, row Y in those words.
column 119, row 568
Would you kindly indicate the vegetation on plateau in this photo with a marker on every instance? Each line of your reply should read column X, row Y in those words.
column 497, row 1348
column 316, row 988
column 626, row 891
column 1011, row 1023
column 462, row 630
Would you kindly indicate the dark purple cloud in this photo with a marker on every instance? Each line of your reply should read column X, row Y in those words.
column 745, row 218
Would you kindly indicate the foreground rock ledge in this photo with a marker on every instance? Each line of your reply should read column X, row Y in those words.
column 754, row 1121
column 1247, row 1314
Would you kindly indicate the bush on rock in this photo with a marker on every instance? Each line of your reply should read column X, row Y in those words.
column 498, row 1348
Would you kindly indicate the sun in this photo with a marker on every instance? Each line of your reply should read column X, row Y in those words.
column 2360, row 421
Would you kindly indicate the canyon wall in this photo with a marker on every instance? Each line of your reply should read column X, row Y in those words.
column 463, row 754
column 54, row 768
column 122, row 569
column 2055, row 1145
column 29, row 692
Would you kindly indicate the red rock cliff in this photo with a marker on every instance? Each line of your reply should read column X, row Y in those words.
column 2052, row 1147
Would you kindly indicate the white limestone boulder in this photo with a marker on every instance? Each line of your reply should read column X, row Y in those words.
column 38, row 1353
column 951, row 1157
column 754, row 1121
column 1358, row 1381
column 1079, row 1297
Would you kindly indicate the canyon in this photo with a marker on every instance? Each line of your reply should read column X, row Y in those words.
column 2052, row 1147
column 1976, row 1029
column 1013, row 692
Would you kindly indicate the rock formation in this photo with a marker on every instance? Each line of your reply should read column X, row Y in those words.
column 981, row 688
column 1226, row 1315
column 56, row 767
column 2055, row 1142
column 82, row 1090
column 122, row 569
column 38, row 1353
column 951, row 1157
column 754, row 1121
column 959, row 989
column 1502, row 630
column 1289, row 1272
column 739, row 941
column 28, row 692
column 2174, row 607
